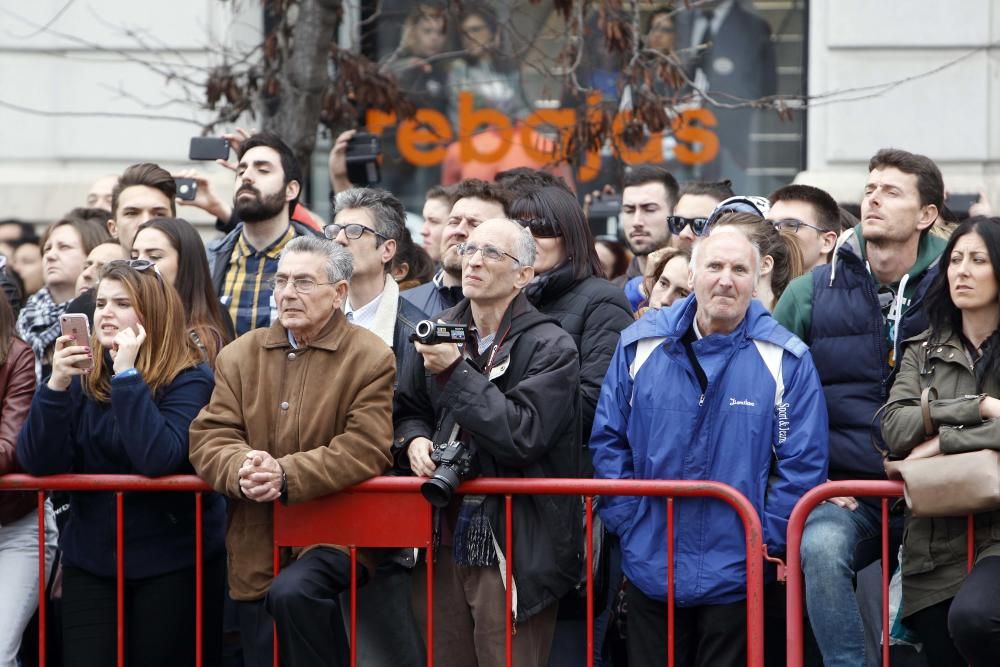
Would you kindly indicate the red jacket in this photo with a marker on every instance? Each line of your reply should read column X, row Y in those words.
column 17, row 386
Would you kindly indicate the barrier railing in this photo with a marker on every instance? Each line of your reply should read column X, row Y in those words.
column 793, row 571
column 318, row 521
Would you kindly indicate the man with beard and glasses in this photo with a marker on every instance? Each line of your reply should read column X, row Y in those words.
column 648, row 199
column 268, row 183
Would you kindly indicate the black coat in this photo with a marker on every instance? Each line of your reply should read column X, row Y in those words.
column 593, row 312
column 524, row 421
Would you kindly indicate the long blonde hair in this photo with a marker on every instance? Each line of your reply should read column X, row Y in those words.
column 167, row 350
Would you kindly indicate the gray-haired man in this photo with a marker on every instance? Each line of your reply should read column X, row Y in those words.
column 268, row 433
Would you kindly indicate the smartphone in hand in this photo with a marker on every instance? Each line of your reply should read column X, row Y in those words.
column 208, row 148
column 187, row 188
column 77, row 324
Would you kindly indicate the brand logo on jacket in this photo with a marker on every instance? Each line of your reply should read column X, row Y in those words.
column 782, row 422
column 745, row 402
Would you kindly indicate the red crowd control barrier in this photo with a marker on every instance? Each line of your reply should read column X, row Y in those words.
column 390, row 512
column 405, row 521
column 793, row 570
column 118, row 484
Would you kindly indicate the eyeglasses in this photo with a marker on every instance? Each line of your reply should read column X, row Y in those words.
column 793, row 225
column 491, row 253
column 541, row 228
column 134, row 264
column 300, row 285
column 352, row 231
column 677, row 224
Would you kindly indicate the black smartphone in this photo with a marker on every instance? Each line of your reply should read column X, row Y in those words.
column 363, row 151
column 187, row 188
column 208, row 148
column 959, row 203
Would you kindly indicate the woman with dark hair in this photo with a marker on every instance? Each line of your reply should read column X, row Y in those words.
column 18, row 523
column 569, row 287
column 957, row 358
column 119, row 403
column 179, row 254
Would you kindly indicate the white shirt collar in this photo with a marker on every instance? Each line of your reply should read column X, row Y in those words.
column 365, row 315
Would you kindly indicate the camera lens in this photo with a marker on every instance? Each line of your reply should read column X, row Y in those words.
column 424, row 329
column 439, row 488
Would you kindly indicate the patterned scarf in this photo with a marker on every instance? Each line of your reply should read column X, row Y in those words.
column 38, row 325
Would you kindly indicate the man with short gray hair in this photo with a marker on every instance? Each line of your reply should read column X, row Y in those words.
column 510, row 395
column 269, row 434
column 712, row 388
column 369, row 224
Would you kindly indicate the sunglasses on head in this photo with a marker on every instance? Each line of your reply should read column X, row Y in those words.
column 134, row 264
column 678, row 223
column 541, row 228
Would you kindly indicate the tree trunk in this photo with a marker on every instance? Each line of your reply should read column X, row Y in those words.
column 303, row 78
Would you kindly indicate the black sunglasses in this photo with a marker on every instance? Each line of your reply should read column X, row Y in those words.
column 541, row 228
column 677, row 224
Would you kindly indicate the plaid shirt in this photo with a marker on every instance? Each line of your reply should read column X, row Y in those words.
column 245, row 291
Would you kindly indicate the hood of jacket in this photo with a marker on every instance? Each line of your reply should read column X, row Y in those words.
column 673, row 322
column 851, row 247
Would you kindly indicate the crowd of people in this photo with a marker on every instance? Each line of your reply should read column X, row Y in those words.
column 731, row 337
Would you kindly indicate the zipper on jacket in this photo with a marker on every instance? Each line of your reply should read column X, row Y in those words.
column 701, row 400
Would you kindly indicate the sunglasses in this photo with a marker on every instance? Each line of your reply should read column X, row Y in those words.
column 134, row 264
column 540, row 228
column 676, row 224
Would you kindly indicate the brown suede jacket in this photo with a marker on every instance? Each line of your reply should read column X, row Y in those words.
column 17, row 386
column 324, row 411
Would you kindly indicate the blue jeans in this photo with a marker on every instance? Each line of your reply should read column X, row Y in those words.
column 836, row 544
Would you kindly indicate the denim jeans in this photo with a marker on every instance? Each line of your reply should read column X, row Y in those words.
column 836, row 544
column 19, row 577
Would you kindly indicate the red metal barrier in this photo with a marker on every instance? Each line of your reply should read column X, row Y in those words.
column 315, row 523
column 793, row 571
column 117, row 484
column 588, row 488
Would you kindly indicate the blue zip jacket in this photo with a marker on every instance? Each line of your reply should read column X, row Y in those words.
column 138, row 434
column 660, row 426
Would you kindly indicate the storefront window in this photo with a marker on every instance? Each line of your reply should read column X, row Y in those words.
column 507, row 84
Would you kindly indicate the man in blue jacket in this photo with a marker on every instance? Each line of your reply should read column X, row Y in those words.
column 711, row 388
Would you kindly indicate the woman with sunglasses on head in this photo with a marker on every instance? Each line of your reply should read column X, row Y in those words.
column 954, row 613
column 179, row 254
column 780, row 254
column 122, row 403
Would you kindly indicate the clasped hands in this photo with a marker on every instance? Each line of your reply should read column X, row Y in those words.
column 261, row 477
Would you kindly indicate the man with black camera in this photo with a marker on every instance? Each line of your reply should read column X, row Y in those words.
column 503, row 404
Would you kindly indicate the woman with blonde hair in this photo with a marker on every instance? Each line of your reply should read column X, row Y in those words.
column 122, row 402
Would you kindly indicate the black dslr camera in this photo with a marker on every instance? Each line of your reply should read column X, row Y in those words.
column 432, row 333
column 455, row 462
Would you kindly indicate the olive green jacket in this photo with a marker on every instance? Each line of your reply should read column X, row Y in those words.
column 935, row 550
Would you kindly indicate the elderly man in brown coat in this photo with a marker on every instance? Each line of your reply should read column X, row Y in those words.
column 300, row 410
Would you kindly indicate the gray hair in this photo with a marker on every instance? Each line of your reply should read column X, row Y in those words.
column 524, row 246
column 387, row 211
column 727, row 229
column 339, row 263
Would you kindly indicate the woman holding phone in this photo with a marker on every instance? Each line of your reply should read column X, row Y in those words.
column 129, row 413
column 179, row 254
